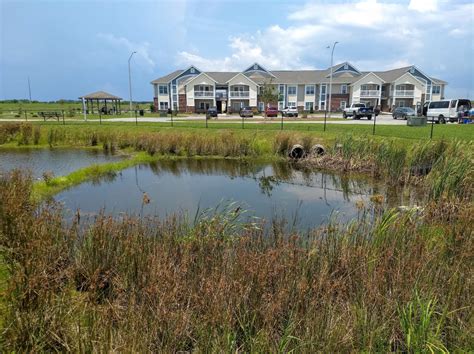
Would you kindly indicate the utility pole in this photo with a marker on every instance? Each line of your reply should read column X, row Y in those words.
column 130, row 79
column 29, row 88
column 330, row 79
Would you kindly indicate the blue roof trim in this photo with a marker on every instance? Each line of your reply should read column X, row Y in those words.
column 417, row 73
column 343, row 69
column 187, row 72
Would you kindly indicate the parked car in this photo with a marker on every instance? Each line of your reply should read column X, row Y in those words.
column 271, row 111
column 289, row 112
column 357, row 111
column 444, row 110
column 211, row 112
column 246, row 112
column 403, row 112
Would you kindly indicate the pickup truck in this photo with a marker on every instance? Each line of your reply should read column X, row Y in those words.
column 289, row 112
column 357, row 111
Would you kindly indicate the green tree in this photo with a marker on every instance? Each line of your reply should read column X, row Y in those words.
column 268, row 94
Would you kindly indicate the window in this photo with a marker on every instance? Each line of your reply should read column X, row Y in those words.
column 163, row 106
column 309, row 90
column 291, row 104
column 309, row 106
column 439, row 104
column 261, row 106
column 280, row 106
column 201, row 105
column 453, row 104
column 255, row 67
column 281, row 89
column 401, row 103
column 436, row 90
column 346, row 66
column 344, row 89
column 292, row 90
column 343, row 104
column 163, row 90
column 323, row 105
column 192, row 70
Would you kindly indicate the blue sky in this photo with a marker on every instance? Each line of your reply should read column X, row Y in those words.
column 70, row 47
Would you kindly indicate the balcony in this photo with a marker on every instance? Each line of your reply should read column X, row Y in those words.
column 369, row 93
column 207, row 94
column 239, row 94
column 404, row 93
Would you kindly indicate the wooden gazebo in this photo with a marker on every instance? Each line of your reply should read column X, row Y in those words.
column 102, row 97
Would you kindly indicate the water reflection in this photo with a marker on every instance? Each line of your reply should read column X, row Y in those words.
column 57, row 161
column 266, row 190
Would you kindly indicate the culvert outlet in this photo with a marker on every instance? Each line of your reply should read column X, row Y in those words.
column 297, row 152
column 318, row 150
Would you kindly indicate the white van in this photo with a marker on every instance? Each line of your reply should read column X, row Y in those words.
column 444, row 110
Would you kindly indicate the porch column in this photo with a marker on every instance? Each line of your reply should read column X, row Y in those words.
column 214, row 96
column 393, row 103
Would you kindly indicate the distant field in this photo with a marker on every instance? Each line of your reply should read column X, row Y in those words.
column 9, row 108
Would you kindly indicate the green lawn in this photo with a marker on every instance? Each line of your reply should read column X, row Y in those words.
column 455, row 131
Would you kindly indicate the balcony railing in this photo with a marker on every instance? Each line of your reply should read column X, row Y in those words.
column 404, row 93
column 239, row 94
column 203, row 93
column 370, row 93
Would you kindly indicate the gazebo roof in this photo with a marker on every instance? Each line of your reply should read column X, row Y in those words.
column 100, row 95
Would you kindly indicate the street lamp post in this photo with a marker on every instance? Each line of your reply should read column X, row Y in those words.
column 330, row 79
column 130, row 79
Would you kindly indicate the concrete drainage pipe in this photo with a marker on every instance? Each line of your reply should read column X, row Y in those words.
column 297, row 152
column 318, row 150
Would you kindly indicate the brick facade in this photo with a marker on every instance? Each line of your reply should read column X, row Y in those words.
column 336, row 99
column 182, row 102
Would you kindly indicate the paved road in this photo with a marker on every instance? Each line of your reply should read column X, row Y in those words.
column 384, row 119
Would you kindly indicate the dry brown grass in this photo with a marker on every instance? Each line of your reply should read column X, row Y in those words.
column 164, row 285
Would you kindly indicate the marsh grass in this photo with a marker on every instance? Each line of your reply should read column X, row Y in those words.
column 385, row 282
column 442, row 167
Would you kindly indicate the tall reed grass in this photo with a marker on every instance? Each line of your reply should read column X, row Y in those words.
column 400, row 282
column 448, row 166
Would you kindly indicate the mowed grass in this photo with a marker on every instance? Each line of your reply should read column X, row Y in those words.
column 404, row 133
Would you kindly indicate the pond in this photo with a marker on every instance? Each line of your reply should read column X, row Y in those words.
column 263, row 190
column 58, row 161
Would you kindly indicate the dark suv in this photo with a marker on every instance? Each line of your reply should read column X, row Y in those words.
column 211, row 112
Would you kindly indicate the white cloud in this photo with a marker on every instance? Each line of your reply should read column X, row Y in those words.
column 423, row 5
column 142, row 49
column 373, row 35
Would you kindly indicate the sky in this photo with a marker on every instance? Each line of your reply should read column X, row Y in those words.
column 69, row 48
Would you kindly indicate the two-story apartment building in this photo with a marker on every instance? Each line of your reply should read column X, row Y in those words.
column 192, row 90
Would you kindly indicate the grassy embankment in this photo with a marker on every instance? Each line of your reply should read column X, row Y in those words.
column 401, row 282
column 397, row 160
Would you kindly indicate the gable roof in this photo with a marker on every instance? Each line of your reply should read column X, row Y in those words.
column 201, row 74
column 243, row 76
column 364, row 76
column 167, row 78
column 257, row 67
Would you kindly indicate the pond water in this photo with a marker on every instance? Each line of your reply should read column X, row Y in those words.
column 58, row 161
column 264, row 190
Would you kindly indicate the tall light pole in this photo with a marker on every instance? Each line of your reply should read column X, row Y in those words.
column 130, row 79
column 330, row 79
